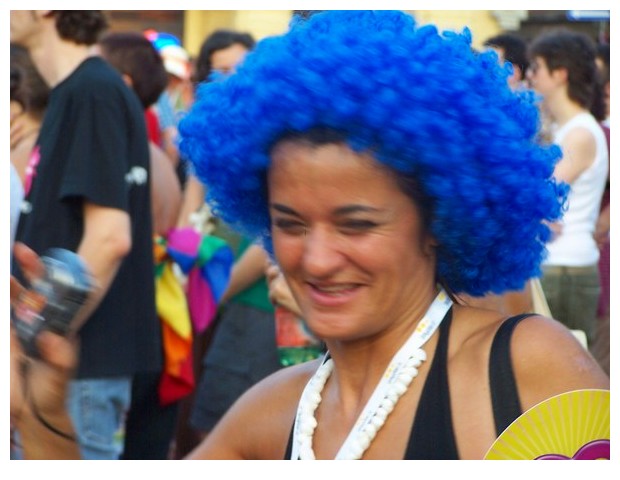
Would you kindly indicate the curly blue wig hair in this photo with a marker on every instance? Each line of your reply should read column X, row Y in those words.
column 423, row 102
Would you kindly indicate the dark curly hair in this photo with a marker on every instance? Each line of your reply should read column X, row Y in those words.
column 423, row 102
column 131, row 53
column 80, row 26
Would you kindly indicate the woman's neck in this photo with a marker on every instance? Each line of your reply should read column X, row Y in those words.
column 360, row 364
column 564, row 110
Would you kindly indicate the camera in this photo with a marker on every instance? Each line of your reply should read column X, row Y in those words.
column 53, row 300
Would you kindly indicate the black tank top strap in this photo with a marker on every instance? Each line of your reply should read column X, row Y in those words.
column 432, row 437
column 504, row 393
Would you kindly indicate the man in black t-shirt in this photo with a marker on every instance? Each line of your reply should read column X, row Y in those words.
column 88, row 190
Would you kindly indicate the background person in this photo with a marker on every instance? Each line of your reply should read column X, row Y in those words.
column 90, row 193
column 242, row 348
column 513, row 49
column 563, row 71
column 150, row 426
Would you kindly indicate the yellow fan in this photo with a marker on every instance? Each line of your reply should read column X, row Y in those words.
column 572, row 425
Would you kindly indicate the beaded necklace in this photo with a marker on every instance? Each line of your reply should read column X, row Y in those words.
column 403, row 368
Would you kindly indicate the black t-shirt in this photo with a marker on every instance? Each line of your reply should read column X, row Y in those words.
column 93, row 147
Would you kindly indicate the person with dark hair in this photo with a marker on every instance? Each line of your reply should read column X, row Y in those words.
column 29, row 97
column 382, row 190
column 242, row 349
column 135, row 57
column 89, row 192
column 221, row 52
column 142, row 69
column 563, row 71
column 513, row 49
column 149, row 427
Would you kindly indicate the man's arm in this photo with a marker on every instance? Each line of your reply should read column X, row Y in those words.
column 166, row 193
column 106, row 241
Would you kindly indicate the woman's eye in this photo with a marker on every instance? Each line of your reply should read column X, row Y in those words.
column 292, row 227
column 358, row 225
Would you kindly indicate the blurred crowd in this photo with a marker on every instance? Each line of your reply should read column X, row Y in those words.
column 190, row 313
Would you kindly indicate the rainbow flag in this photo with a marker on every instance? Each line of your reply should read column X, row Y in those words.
column 186, row 308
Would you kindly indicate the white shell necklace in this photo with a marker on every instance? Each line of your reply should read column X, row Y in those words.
column 393, row 384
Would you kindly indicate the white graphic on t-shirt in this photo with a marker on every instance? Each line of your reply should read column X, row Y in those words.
column 137, row 176
column 26, row 207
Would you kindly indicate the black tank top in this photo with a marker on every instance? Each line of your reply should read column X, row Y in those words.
column 433, row 436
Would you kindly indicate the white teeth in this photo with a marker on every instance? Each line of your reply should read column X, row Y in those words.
column 335, row 288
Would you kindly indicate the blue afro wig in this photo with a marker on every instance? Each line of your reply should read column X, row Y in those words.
column 424, row 102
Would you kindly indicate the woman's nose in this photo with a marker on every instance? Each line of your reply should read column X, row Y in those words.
column 322, row 253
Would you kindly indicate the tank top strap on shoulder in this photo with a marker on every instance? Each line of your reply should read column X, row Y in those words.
column 504, row 393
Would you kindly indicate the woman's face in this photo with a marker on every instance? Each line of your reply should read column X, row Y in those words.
column 226, row 59
column 349, row 241
column 544, row 81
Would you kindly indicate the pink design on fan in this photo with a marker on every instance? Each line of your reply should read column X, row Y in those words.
column 594, row 450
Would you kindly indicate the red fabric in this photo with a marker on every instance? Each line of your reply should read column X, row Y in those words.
column 177, row 380
column 152, row 126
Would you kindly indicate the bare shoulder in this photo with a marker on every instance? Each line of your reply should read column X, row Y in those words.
column 548, row 359
column 258, row 425
column 580, row 137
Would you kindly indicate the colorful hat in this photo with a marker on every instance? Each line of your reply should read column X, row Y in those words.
column 175, row 57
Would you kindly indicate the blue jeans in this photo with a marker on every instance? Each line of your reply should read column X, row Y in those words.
column 97, row 408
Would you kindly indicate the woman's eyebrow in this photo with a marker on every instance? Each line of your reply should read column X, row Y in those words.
column 340, row 211
column 349, row 209
column 283, row 209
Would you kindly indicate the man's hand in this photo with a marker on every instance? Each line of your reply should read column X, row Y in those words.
column 41, row 383
column 42, row 380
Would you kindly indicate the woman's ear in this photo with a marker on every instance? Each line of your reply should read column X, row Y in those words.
column 560, row 74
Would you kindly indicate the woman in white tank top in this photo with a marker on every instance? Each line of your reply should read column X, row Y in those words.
column 563, row 71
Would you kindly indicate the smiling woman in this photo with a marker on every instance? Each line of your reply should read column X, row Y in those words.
column 357, row 258
column 382, row 163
